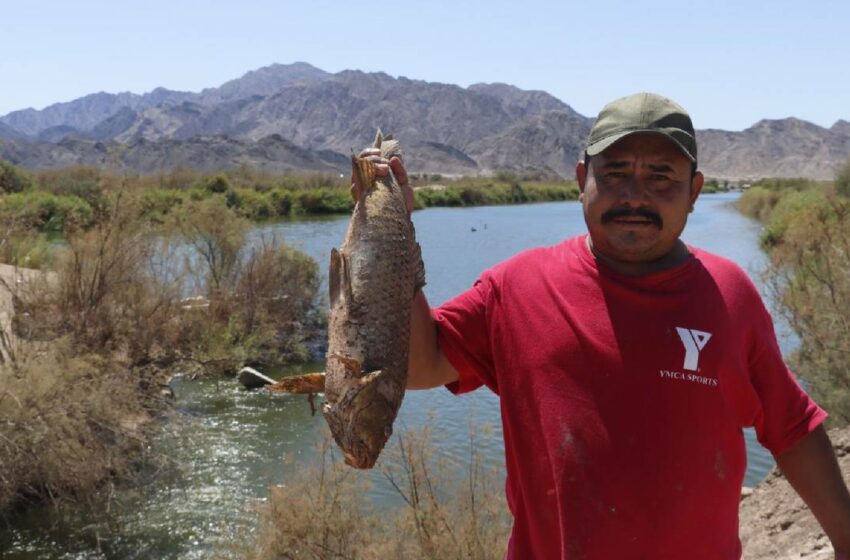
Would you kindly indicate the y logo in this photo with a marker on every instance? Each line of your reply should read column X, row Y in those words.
column 694, row 341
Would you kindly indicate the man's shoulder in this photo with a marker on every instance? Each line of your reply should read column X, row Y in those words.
column 715, row 262
column 728, row 275
column 537, row 260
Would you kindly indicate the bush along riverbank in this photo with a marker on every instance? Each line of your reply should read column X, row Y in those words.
column 807, row 237
column 89, row 343
column 61, row 201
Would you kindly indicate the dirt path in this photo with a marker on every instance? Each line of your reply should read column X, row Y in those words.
column 776, row 525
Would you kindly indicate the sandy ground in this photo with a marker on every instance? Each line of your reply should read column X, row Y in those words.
column 776, row 525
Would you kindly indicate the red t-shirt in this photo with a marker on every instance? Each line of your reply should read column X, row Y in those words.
column 623, row 399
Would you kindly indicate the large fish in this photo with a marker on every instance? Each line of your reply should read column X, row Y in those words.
column 373, row 279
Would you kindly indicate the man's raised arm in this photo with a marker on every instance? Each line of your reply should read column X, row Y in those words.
column 427, row 367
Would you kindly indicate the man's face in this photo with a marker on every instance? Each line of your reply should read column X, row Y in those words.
column 636, row 197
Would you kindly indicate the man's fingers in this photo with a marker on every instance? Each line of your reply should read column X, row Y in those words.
column 382, row 169
column 399, row 171
column 400, row 174
column 369, row 152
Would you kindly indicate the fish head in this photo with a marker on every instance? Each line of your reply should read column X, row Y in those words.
column 362, row 421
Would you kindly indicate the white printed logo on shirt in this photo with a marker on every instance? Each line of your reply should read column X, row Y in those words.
column 694, row 341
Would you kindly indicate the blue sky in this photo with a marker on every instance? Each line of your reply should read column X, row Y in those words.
column 729, row 63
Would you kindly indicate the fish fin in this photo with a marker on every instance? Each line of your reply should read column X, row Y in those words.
column 379, row 137
column 388, row 137
column 309, row 383
column 419, row 278
column 352, row 365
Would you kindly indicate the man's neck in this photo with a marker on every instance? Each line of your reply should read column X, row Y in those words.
column 676, row 256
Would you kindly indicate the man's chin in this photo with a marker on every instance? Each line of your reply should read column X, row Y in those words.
column 634, row 249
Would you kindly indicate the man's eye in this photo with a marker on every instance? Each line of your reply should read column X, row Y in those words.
column 659, row 177
column 616, row 174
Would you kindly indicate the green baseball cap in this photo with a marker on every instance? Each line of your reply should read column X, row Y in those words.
column 642, row 112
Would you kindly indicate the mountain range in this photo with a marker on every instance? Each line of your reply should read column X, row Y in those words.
column 298, row 117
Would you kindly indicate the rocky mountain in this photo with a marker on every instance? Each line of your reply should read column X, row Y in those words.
column 264, row 81
column 86, row 112
column 776, row 148
column 312, row 118
column 9, row 133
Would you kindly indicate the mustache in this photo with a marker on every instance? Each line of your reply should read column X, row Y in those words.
column 616, row 213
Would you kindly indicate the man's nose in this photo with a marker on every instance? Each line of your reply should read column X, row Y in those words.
column 633, row 191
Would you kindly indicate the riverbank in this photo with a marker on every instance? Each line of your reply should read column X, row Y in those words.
column 777, row 525
column 806, row 235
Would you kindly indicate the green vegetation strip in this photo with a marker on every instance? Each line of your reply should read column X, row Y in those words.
column 75, row 198
column 807, row 237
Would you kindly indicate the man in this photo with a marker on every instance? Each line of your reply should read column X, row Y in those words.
column 627, row 364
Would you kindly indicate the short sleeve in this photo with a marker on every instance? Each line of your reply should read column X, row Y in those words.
column 786, row 413
column 464, row 336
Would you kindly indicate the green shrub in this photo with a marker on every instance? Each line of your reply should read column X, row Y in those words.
column 216, row 184
column 323, row 201
column 24, row 248
column 13, row 179
column 252, row 204
column 810, row 274
column 217, row 233
column 155, row 204
column 282, row 201
column 789, row 209
column 437, row 197
column 758, row 202
column 47, row 212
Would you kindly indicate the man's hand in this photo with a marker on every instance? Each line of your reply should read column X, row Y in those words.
column 382, row 168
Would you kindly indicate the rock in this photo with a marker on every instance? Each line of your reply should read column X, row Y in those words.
column 253, row 379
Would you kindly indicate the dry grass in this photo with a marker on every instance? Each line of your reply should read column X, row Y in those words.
column 78, row 380
column 85, row 347
column 68, row 424
column 326, row 513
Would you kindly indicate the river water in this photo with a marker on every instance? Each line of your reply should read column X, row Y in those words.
column 227, row 445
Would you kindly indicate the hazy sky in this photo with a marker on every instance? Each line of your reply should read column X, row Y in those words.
column 730, row 63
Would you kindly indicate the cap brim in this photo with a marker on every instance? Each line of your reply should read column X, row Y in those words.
column 603, row 144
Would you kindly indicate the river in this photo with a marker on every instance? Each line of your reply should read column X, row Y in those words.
column 227, row 446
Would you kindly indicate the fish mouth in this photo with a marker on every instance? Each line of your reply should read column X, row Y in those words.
column 359, row 461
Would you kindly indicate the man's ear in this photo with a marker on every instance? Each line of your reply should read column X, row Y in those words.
column 581, row 176
column 696, row 187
